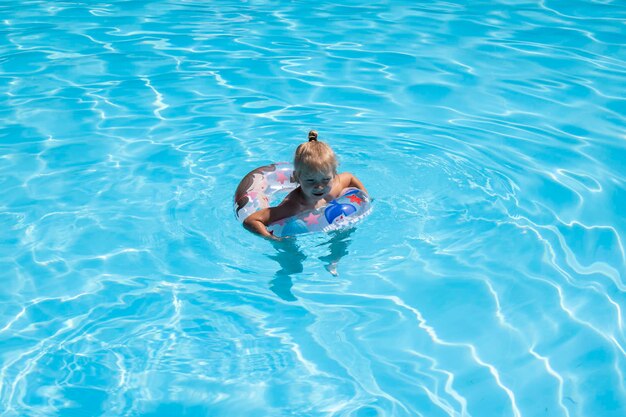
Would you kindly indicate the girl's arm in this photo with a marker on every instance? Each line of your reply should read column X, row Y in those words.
column 258, row 221
column 349, row 180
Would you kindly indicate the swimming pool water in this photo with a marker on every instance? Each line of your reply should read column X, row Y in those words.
column 488, row 281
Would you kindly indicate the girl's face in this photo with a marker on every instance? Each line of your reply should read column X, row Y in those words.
column 316, row 184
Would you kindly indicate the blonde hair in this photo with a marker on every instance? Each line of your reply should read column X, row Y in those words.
column 314, row 155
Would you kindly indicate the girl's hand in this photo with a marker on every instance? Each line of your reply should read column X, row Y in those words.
column 281, row 239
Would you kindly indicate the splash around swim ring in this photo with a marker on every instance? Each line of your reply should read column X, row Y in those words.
column 261, row 187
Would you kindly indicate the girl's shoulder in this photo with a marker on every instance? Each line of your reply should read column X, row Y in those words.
column 291, row 204
column 293, row 197
column 344, row 179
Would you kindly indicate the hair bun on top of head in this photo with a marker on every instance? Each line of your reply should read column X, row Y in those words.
column 312, row 136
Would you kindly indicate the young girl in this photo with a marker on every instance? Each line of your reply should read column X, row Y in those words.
column 315, row 169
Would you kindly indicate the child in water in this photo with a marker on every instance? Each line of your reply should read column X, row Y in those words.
column 315, row 169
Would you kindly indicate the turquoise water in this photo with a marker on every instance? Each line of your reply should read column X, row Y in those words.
column 489, row 279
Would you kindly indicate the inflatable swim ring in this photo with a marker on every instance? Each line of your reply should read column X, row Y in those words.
column 260, row 187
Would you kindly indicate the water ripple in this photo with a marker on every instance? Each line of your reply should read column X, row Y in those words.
column 488, row 280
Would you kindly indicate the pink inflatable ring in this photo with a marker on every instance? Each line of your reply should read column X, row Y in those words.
column 260, row 187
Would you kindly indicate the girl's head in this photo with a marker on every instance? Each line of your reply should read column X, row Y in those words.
column 315, row 166
column 314, row 156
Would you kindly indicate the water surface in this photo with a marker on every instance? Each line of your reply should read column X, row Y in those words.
column 488, row 281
